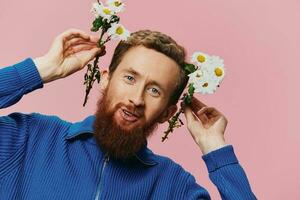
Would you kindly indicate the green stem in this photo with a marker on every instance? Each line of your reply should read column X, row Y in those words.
column 172, row 124
column 91, row 80
column 175, row 120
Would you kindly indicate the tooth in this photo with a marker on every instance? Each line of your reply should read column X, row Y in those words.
column 127, row 113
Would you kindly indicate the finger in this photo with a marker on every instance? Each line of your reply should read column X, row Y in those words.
column 76, row 41
column 202, row 110
column 94, row 38
column 213, row 112
column 209, row 115
column 202, row 116
column 103, row 51
column 82, row 47
column 72, row 33
column 206, row 113
column 190, row 117
column 209, row 111
column 79, row 45
column 78, row 48
column 59, row 41
column 197, row 104
column 56, row 46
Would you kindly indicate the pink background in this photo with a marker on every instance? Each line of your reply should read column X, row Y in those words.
column 259, row 41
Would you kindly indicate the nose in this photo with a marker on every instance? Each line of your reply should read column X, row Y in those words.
column 137, row 97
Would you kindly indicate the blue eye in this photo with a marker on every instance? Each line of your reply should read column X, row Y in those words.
column 129, row 78
column 155, row 91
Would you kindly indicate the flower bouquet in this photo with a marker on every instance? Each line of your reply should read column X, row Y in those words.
column 205, row 75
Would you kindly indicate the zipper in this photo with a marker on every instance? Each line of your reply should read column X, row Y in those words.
column 106, row 160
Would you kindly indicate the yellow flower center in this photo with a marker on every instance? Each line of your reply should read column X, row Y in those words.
column 218, row 71
column 118, row 3
column 106, row 11
column 201, row 58
column 205, row 84
column 119, row 30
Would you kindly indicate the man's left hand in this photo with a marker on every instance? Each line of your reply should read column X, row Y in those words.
column 206, row 125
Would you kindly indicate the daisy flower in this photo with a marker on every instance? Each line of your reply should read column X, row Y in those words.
column 203, row 82
column 195, row 76
column 215, row 67
column 199, row 58
column 105, row 11
column 117, row 31
column 206, row 85
column 116, row 5
column 95, row 9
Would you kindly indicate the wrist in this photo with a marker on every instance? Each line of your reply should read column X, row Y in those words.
column 212, row 145
column 46, row 70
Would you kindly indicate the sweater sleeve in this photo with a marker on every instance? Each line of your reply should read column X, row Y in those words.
column 15, row 81
column 194, row 191
column 228, row 175
column 18, row 80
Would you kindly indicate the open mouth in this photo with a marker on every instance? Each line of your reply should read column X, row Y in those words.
column 128, row 115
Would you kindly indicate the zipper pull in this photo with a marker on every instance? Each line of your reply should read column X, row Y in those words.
column 106, row 159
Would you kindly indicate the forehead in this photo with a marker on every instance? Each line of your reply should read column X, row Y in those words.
column 151, row 65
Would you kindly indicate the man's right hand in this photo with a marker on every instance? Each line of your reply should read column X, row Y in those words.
column 69, row 53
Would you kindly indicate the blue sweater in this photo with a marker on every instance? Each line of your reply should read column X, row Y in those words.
column 45, row 157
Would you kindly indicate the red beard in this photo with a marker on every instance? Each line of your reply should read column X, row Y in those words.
column 112, row 138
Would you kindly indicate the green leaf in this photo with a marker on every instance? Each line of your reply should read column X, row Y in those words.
column 89, row 67
column 114, row 19
column 191, row 89
column 97, row 75
column 100, row 43
column 97, row 24
column 189, row 68
column 106, row 25
column 187, row 100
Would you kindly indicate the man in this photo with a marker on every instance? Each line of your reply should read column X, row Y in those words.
column 105, row 156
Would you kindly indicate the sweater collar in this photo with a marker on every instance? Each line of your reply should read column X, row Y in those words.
column 144, row 155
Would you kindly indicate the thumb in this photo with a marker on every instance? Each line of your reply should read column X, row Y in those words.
column 189, row 115
column 56, row 47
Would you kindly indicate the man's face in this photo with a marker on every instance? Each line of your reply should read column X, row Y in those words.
column 135, row 100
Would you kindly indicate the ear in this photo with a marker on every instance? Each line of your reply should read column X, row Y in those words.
column 104, row 79
column 168, row 113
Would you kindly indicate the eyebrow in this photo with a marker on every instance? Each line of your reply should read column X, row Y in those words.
column 153, row 82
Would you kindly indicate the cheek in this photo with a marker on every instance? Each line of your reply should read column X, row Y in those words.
column 116, row 95
column 153, row 109
column 120, row 91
